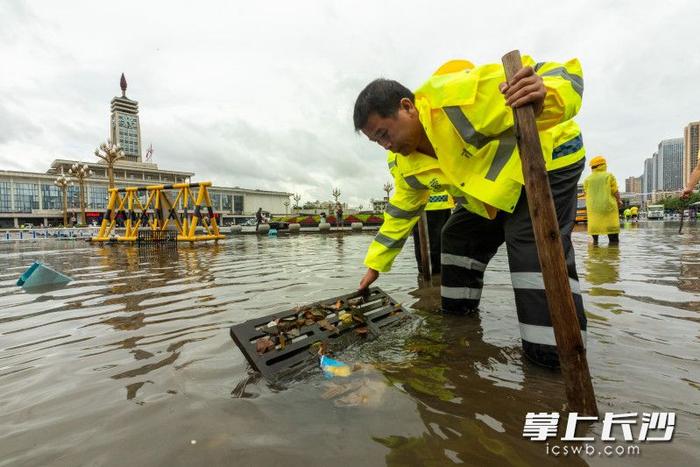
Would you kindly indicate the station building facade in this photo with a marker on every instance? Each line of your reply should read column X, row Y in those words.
column 33, row 198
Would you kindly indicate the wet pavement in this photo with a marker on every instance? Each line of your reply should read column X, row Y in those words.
column 132, row 362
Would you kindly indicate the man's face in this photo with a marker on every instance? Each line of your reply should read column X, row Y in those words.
column 399, row 133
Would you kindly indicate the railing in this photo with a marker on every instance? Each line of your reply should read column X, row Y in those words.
column 47, row 233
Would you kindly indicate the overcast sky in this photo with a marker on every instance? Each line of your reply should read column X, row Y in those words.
column 260, row 94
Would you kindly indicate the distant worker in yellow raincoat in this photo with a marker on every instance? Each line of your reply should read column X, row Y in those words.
column 627, row 213
column 634, row 210
column 602, row 202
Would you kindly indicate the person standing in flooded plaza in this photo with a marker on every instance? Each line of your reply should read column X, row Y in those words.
column 456, row 134
column 602, row 202
column 339, row 215
column 258, row 219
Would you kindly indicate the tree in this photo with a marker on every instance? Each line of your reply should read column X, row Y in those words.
column 677, row 204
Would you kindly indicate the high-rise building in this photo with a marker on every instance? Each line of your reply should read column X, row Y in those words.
column 633, row 184
column 125, row 128
column 691, row 139
column 670, row 165
column 655, row 185
column 648, row 177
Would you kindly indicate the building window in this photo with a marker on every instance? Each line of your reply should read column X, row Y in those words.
column 227, row 203
column 238, row 204
column 97, row 197
column 51, row 197
column 26, row 197
column 5, row 197
column 73, row 196
column 215, row 200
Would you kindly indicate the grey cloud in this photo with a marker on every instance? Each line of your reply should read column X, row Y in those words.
column 258, row 97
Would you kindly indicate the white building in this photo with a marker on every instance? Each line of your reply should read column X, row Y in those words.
column 33, row 198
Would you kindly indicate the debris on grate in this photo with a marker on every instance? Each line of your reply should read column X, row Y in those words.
column 288, row 341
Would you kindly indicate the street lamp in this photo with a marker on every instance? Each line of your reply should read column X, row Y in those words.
column 296, row 199
column 63, row 183
column 336, row 194
column 286, row 206
column 81, row 172
column 388, row 187
column 110, row 153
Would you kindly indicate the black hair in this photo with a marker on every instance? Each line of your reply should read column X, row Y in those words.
column 381, row 96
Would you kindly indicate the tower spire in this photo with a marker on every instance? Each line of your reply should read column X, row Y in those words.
column 122, row 84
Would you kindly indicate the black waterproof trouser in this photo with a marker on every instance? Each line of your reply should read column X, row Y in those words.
column 470, row 241
column 436, row 221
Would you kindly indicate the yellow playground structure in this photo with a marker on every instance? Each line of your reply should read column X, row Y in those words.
column 151, row 208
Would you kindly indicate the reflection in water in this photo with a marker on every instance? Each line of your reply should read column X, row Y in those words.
column 470, row 395
column 602, row 264
column 689, row 278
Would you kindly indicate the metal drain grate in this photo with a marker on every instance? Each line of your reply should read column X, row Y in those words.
column 283, row 342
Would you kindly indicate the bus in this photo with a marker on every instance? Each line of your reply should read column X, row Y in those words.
column 581, row 214
column 655, row 211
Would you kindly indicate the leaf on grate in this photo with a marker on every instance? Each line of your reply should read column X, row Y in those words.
column 324, row 324
column 264, row 344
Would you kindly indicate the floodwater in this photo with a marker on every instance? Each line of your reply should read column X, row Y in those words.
column 132, row 363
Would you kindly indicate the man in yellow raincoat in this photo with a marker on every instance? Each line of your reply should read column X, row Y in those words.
column 455, row 133
column 438, row 211
column 602, row 202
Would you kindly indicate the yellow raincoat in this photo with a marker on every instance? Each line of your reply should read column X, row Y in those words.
column 600, row 187
column 478, row 161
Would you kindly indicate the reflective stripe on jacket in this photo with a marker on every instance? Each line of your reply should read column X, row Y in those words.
column 471, row 130
column 438, row 198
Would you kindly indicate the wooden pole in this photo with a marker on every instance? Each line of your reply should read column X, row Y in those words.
column 683, row 206
column 572, row 354
column 424, row 246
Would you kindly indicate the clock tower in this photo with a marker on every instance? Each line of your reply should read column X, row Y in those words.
column 124, row 125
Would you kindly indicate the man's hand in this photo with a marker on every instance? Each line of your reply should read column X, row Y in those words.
column 370, row 276
column 526, row 87
column 687, row 191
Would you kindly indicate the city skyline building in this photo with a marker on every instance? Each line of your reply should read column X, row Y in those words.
column 633, row 184
column 691, row 140
column 648, row 177
column 670, row 175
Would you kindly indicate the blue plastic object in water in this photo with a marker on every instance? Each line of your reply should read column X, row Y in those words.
column 40, row 275
column 272, row 233
column 333, row 367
